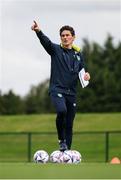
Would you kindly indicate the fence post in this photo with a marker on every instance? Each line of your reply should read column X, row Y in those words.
column 106, row 146
column 29, row 147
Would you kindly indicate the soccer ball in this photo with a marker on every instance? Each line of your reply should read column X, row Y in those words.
column 66, row 158
column 41, row 156
column 55, row 156
column 60, row 157
column 75, row 156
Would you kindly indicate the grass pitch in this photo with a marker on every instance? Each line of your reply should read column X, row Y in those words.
column 46, row 122
column 59, row 171
column 91, row 146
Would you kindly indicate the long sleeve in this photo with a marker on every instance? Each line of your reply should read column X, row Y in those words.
column 46, row 42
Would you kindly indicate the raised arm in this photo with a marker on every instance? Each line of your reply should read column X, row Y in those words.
column 45, row 41
column 35, row 27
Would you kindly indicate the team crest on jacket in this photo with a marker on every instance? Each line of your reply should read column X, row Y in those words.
column 78, row 57
column 59, row 95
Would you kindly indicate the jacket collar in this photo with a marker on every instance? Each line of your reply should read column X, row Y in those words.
column 75, row 47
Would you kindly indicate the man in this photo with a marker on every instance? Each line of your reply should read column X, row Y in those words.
column 66, row 62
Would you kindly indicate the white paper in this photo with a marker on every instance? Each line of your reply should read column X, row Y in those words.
column 81, row 78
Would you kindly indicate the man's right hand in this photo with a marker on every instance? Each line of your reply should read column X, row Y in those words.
column 35, row 27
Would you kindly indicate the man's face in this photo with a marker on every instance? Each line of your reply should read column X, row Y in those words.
column 67, row 39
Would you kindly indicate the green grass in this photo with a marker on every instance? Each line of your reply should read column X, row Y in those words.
column 42, row 122
column 14, row 148
column 59, row 171
column 92, row 146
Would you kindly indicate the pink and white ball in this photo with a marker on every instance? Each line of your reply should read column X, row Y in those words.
column 66, row 158
column 41, row 156
column 55, row 156
column 75, row 156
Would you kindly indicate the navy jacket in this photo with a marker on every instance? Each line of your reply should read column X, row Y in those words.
column 65, row 66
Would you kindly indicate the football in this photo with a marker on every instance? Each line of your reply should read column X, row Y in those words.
column 41, row 156
column 75, row 156
column 55, row 156
column 66, row 158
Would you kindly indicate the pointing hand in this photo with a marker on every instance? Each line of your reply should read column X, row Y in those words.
column 35, row 27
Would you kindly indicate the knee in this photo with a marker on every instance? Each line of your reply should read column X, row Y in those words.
column 61, row 113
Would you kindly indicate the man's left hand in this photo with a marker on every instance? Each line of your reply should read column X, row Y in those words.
column 87, row 76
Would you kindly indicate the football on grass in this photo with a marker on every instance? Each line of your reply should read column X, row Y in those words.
column 75, row 156
column 67, row 157
column 41, row 156
column 55, row 156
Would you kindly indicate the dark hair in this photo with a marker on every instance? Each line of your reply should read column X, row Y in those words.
column 69, row 28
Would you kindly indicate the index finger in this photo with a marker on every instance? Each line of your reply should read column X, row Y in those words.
column 35, row 22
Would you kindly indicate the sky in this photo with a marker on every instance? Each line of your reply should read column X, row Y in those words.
column 23, row 61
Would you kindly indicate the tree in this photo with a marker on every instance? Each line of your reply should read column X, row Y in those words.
column 38, row 101
column 103, row 93
column 11, row 104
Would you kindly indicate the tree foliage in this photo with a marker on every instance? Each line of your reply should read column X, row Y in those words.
column 102, row 95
